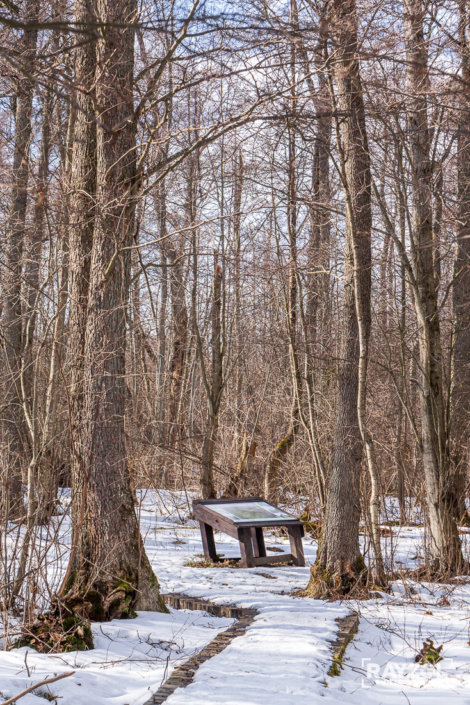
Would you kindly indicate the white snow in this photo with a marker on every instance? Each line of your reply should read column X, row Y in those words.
column 285, row 654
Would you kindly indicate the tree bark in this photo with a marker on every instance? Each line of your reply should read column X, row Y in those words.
column 160, row 203
column 13, row 427
column 320, row 216
column 339, row 564
column 445, row 543
column 41, row 483
column 180, row 330
column 281, row 449
column 110, row 574
column 82, row 214
column 216, row 386
column 460, row 410
column 237, row 204
column 357, row 186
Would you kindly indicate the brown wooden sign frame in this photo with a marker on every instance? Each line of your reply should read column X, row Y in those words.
column 249, row 534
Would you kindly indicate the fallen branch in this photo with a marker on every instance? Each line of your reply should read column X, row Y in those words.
column 36, row 685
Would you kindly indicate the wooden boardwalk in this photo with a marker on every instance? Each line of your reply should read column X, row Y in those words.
column 183, row 675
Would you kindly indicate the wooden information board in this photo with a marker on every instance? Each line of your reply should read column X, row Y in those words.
column 244, row 519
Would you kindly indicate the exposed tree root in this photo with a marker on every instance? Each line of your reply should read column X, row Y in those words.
column 67, row 626
column 57, row 631
column 352, row 584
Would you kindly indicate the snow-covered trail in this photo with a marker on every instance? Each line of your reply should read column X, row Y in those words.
column 285, row 655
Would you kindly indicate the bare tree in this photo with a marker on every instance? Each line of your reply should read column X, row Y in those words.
column 110, row 558
column 13, row 425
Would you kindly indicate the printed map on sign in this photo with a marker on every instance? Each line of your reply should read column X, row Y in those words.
column 249, row 511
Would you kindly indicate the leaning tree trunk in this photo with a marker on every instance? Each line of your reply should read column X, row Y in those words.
column 12, row 413
column 461, row 290
column 339, row 563
column 445, row 543
column 110, row 574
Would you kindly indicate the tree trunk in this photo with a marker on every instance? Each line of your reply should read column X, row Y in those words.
column 339, row 563
column 180, row 330
column 110, row 573
column 356, row 177
column 216, row 386
column 240, row 481
column 445, row 543
column 315, row 320
column 160, row 203
column 461, row 291
column 237, row 204
column 82, row 214
column 41, row 474
column 280, row 451
column 13, row 427
column 320, row 216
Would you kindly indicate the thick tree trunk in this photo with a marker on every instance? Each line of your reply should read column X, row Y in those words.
column 81, row 222
column 339, row 564
column 461, row 291
column 445, row 543
column 110, row 574
column 13, row 426
column 356, row 177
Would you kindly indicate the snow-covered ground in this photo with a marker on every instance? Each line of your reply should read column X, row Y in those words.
column 285, row 655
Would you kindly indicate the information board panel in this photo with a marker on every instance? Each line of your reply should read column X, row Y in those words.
column 250, row 511
column 244, row 518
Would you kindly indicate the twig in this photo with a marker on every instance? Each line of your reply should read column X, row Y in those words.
column 36, row 685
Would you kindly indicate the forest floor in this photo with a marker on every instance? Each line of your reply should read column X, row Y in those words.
column 285, row 655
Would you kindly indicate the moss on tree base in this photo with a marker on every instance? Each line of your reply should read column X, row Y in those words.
column 67, row 626
column 324, row 585
column 103, row 600
column 52, row 632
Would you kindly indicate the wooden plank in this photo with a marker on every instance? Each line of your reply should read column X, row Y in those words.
column 207, row 534
column 229, row 501
column 268, row 523
column 297, row 550
column 204, row 514
column 208, row 502
column 246, row 547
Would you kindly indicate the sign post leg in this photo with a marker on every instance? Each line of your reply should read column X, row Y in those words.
column 207, row 534
column 258, row 541
column 246, row 548
column 296, row 548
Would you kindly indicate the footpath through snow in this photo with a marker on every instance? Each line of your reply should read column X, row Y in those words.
column 285, row 654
